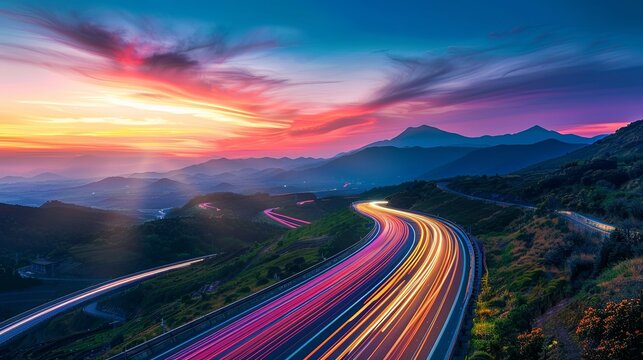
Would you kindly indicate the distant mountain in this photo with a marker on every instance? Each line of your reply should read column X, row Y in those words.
column 166, row 185
column 219, row 166
column 502, row 159
column 115, row 183
column 12, row 179
column 43, row 177
column 428, row 136
column 47, row 176
column 626, row 142
column 376, row 166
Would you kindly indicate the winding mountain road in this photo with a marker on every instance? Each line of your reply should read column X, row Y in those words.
column 401, row 295
column 585, row 222
column 285, row 220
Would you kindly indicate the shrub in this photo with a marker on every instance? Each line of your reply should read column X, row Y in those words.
column 530, row 344
column 613, row 332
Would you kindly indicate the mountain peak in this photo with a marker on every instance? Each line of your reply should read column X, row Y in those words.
column 422, row 129
column 537, row 129
column 429, row 136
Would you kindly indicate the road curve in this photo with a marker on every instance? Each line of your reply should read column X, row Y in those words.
column 285, row 220
column 402, row 295
column 23, row 322
column 584, row 221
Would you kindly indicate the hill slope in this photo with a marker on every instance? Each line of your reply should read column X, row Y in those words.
column 501, row 159
column 626, row 143
column 52, row 225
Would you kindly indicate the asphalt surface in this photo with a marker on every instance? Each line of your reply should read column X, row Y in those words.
column 400, row 296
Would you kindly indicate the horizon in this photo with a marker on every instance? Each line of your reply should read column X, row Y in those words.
column 173, row 83
column 161, row 166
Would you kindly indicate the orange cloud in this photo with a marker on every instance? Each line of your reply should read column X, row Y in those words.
column 594, row 129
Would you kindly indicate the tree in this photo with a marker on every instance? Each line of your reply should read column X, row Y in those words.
column 614, row 332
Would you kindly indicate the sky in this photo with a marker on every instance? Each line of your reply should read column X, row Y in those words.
column 161, row 80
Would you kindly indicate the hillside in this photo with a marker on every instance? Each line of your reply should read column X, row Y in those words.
column 187, row 294
column 604, row 179
column 428, row 136
column 501, row 159
column 376, row 166
column 219, row 166
column 542, row 275
column 88, row 244
column 625, row 144
column 240, row 206
column 53, row 225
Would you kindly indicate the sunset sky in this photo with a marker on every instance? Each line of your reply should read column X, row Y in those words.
column 195, row 79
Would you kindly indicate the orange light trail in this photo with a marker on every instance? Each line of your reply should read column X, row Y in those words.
column 400, row 296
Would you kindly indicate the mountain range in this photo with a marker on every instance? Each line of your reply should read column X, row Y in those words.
column 428, row 136
column 376, row 166
column 42, row 177
column 422, row 152
column 502, row 159
column 625, row 143
column 224, row 165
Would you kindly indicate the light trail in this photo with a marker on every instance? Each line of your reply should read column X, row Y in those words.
column 401, row 296
column 207, row 205
column 20, row 323
column 590, row 223
column 288, row 221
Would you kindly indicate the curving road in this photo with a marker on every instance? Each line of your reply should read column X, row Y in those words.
column 285, row 220
column 582, row 220
column 23, row 322
column 401, row 295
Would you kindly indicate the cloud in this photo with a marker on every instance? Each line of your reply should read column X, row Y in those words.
column 210, row 80
column 183, row 60
column 105, row 120
column 141, row 41
column 592, row 129
column 334, row 125
column 527, row 64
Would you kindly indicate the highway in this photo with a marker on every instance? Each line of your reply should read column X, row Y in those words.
column 23, row 322
column 401, row 295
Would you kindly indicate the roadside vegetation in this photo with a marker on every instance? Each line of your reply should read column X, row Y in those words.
column 539, row 269
column 604, row 179
column 171, row 300
column 606, row 188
